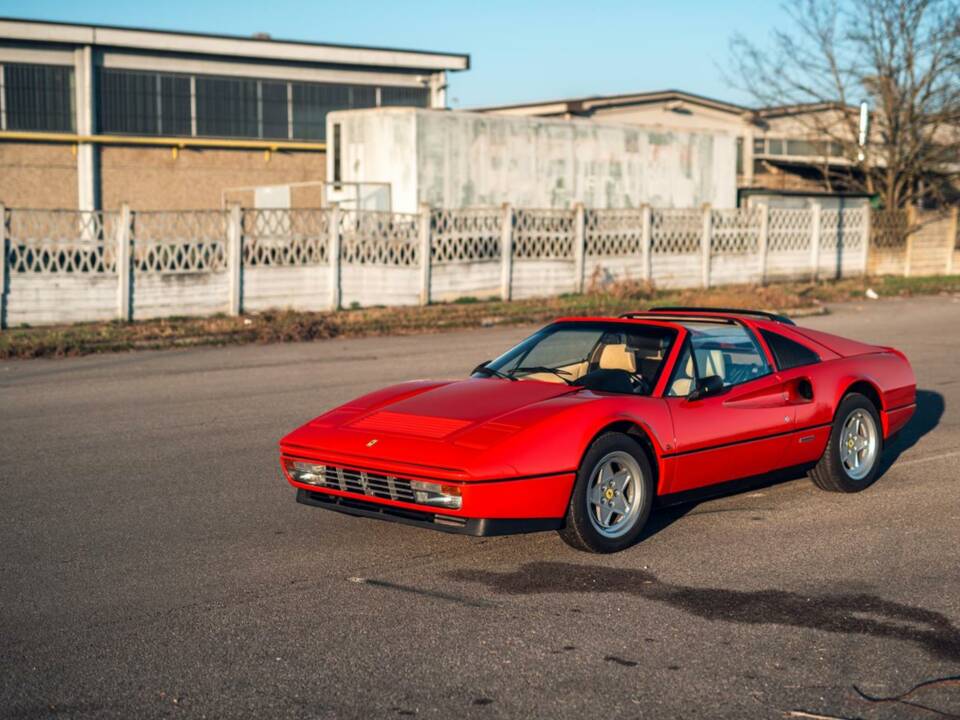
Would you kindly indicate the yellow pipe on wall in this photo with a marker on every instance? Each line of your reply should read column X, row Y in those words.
column 175, row 142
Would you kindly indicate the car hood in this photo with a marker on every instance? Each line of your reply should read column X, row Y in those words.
column 445, row 426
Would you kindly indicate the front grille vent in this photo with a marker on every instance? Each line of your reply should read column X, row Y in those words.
column 362, row 482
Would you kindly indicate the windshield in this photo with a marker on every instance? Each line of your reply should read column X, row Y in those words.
column 608, row 357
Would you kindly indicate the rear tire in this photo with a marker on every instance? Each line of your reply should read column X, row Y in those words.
column 612, row 496
column 851, row 460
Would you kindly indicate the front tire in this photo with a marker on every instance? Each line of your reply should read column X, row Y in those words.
column 851, row 460
column 612, row 497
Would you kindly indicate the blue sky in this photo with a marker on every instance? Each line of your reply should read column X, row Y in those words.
column 520, row 51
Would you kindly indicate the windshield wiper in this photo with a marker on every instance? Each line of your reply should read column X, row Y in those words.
column 542, row 368
column 492, row 372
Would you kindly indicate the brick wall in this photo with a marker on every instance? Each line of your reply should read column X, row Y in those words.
column 38, row 175
column 193, row 179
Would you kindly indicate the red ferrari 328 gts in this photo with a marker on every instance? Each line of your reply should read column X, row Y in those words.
column 588, row 423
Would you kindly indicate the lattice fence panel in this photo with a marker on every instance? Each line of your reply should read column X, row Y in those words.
column 889, row 228
column 676, row 231
column 789, row 230
column 180, row 242
column 734, row 231
column 543, row 234
column 847, row 224
column 380, row 238
column 470, row 235
column 55, row 242
column 281, row 238
column 614, row 233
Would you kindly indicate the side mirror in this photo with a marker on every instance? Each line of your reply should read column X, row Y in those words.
column 710, row 385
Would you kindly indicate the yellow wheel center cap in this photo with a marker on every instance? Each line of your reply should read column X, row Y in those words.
column 609, row 494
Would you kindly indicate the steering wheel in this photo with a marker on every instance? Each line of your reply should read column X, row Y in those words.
column 639, row 383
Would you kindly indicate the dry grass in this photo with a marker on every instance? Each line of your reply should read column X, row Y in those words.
column 289, row 326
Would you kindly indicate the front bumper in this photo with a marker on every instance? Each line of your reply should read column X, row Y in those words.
column 484, row 527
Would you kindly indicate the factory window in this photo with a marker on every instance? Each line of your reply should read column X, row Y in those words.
column 135, row 103
column 149, row 103
column 409, row 96
column 273, row 114
column 337, row 154
column 312, row 102
column 797, row 148
column 37, row 97
column 227, row 107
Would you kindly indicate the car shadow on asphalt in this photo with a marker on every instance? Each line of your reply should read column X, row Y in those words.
column 930, row 408
column 843, row 613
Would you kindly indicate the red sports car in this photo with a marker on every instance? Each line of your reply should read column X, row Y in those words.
column 588, row 423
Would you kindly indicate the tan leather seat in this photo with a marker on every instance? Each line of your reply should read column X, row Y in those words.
column 618, row 357
column 683, row 383
column 711, row 363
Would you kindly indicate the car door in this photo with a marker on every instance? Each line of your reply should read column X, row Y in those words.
column 741, row 430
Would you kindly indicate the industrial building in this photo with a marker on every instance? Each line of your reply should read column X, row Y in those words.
column 778, row 157
column 93, row 116
column 402, row 158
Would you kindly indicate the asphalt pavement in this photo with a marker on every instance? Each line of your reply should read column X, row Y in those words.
column 154, row 564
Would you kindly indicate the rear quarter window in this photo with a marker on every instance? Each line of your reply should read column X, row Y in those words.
column 788, row 353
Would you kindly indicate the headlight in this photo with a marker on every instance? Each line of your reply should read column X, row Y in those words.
column 305, row 472
column 428, row 493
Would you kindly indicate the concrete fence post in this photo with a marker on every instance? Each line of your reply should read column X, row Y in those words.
column 815, row 241
column 333, row 256
column 506, row 252
column 124, row 268
column 908, row 252
column 235, row 257
column 953, row 234
column 705, row 246
column 867, row 232
column 426, row 250
column 763, row 241
column 646, row 241
column 579, row 246
column 4, row 281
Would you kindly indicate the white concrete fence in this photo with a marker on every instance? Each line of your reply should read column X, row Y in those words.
column 69, row 266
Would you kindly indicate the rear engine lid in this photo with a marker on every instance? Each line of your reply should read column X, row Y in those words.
column 840, row 345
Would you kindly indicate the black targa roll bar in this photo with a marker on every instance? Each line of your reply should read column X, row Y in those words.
column 709, row 310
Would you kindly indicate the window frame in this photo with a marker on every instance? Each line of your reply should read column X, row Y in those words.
column 298, row 113
column 675, row 334
column 763, row 332
column 762, row 350
column 66, row 82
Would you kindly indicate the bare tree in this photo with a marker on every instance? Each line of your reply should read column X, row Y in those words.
column 902, row 57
